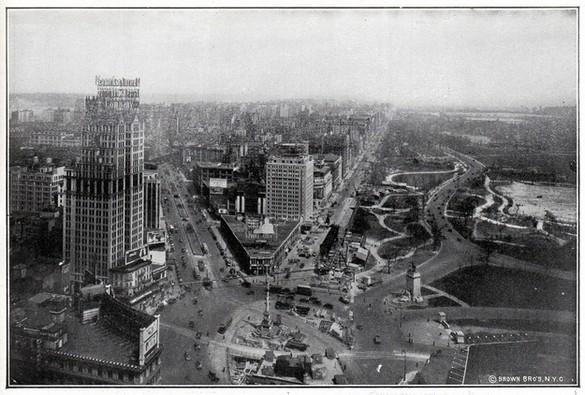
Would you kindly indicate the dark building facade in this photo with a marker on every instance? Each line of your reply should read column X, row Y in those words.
column 152, row 201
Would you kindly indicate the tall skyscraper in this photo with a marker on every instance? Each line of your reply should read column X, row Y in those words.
column 104, row 191
column 289, row 182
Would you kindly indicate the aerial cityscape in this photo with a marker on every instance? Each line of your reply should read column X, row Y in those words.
column 292, row 197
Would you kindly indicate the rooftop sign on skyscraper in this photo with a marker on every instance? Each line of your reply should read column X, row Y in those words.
column 118, row 93
column 99, row 81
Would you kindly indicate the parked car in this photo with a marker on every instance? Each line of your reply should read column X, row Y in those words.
column 282, row 306
column 377, row 339
column 344, row 299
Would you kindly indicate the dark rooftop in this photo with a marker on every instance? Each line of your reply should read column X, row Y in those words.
column 137, row 264
column 99, row 342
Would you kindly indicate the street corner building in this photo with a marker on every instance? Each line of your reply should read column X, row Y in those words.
column 94, row 339
column 258, row 244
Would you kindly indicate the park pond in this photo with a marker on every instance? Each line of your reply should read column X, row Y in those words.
column 535, row 200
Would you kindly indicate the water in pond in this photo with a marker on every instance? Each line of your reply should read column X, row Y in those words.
column 534, row 200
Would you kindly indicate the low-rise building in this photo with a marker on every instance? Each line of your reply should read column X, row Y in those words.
column 296, row 367
column 35, row 188
column 259, row 245
column 204, row 171
column 334, row 162
column 55, row 138
column 50, row 344
column 322, row 184
column 203, row 153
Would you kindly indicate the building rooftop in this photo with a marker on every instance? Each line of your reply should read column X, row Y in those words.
column 140, row 319
column 217, row 165
column 321, row 171
column 98, row 341
column 259, row 246
column 206, row 146
column 330, row 157
column 265, row 229
column 137, row 264
column 156, row 237
column 291, row 150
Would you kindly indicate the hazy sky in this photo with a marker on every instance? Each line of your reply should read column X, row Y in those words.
column 450, row 57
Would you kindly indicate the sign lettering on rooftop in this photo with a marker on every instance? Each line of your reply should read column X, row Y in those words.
column 118, row 89
column 109, row 82
column 217, row 182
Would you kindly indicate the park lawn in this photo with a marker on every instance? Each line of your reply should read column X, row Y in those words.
column 498, row 287
column 367, row 224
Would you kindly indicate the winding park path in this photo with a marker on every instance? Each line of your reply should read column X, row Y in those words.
column 456, row 252
column 390, row 179
column 375, row 246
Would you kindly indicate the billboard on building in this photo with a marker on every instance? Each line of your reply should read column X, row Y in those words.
column 217, row 185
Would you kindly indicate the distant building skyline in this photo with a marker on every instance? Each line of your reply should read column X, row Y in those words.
column 450, row 57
